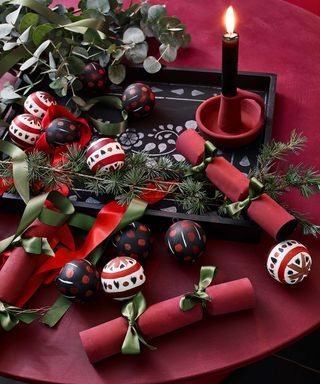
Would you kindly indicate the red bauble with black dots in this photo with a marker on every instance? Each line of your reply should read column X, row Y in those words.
column 134, row 241
column 138, row 100
column 185, row 240
column 62, row 131
column 78, row 280
column 93, row 78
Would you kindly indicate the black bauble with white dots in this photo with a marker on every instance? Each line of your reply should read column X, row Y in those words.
column 62, row 131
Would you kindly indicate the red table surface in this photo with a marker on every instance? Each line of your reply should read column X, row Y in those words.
column 275, row 37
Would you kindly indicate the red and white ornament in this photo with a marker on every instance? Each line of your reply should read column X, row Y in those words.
column 37, row 103
column 289, row 262
column 25, row 130
column 122, row 277
column 105, row 154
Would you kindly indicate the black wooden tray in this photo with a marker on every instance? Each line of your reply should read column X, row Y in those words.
column 179, row 92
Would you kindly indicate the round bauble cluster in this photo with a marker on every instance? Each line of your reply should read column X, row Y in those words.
column 62, row 131
column 25, row 130
column 78, row 280
column 93, row 78
column 105, row 154
column 134, row 241
column 37, row 103
column 185, row 240
column 289, row 262
column 138, row 100
column 122, row 277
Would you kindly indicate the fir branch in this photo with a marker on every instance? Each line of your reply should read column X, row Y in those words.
column 307, row 227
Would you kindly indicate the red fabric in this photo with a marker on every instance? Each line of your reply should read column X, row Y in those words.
column 277, row 37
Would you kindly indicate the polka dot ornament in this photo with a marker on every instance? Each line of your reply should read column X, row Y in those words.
column 25, row 130
column 185, row 240
column 134, row 241
column 93, row 78
column 62, row 131
column 138, row 99
column 37, row 103
column 78, row 280
column 289, row 262
column 122, row 277
column 105, row 154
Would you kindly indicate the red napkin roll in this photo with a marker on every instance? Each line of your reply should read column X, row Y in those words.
column 106, row 339
column 268, row 214
column 20, row 266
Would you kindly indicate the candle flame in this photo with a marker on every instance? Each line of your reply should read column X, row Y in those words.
column 230, row 20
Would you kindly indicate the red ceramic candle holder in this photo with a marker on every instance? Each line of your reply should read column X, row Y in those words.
column 231, row 122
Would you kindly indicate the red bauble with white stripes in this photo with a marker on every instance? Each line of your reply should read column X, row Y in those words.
column 122, row 277
column 37, row 103
column 105, row 154
column 25, row 130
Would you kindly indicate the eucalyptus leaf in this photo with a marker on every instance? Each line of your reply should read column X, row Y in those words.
column 81, row 52
column 155, row 12
column 133, row 35
column 12, row 17
column 52, row 61
column 151, row 64
column 27, row 64
column 5, row 29
column 8, row 93
column 102, row 6
column 138, row 53
column 27, row 79
column 76, row 65
column 59, row 83
column 42, row 47
column 117, row 73
column 168, row 53
column 40, row 32
column 104, row 59
column 92, row 36
column 147, row 30
column 28, row 20
column 9, row 45
column 79, row 101
column 24, row 37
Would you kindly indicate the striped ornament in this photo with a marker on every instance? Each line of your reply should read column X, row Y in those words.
column 122, row 277
column 25, row 130
column 105, row 154
column 37, row 103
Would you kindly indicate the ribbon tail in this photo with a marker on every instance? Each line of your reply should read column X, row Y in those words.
column 7, row 322
column 131, row 342
column 187, row 303
column 143, row 341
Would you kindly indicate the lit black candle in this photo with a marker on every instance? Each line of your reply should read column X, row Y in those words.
column 230, row 47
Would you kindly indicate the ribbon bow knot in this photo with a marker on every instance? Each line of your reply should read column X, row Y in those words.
column 210, row 152
column 10, row 316
column 35, row 245
column 131, row 311
column 256, row 189
column 191, row 299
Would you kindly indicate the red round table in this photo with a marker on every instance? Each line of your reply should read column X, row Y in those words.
column 274, row 37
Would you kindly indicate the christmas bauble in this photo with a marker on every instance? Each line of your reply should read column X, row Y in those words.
column 62, row 131
column 25, row 130
column 38, row 102
column 134, row 241
column 122, row 277
column 289, row 262
column 78, row 280
column 185, row 240
column 93, row 78
column 105, row 154
column 138, row 99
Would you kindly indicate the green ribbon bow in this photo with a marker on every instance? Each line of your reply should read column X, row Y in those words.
column 35, row 245
column 256, row 189
column 132, row 310
column 191, row 299
column 210, row 152
column 10, row 316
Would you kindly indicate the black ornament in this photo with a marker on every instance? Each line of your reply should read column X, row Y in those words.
column 93, row 78
column 138, row 100
column 185, row 240
column 78, row 280
column 62, row 131
column 134, row 241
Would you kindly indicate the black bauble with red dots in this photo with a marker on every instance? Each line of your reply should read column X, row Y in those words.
column 93, row 78
column 62, row 131
column 78, row 280
column 138, row 100
column 134, row 241
column 185, row 240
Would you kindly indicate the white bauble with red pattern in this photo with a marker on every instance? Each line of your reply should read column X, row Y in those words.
column 122, row 277
column 105, row 154
column 25, row 130
column 289, row 262
column 37, row 103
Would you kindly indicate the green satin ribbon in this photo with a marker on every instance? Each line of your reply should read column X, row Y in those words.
column 210, row 152
column 191, row 299
column 10, row 316
column 35, row 245
column 108, row 129
column 19, row 168
column 256, row 189
column 132, row 310
column 35, row 209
